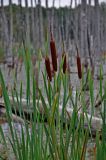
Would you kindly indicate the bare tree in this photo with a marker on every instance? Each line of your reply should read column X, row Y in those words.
column 40, row 24
column 52, row 16
column 4, row 29
column 36, row 23
column 33, row 24
column 97, row 28
column 103, row 27
column 83, row 27
column 27, row 24
column 20, row 23
column 11, row 28
column 76, row 13
column 47, row 14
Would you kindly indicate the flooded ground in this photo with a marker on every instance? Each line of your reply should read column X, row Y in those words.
column 10, row 79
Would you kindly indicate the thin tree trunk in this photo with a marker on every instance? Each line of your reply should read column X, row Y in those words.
column 33, row 24
column 83, row 25
column 27, row 24
column 52, row 16
column 36, row 22
column 47, row 15
column 5, row 31
column 11, row 28
column 40, row 24
column 76, row 24
column 20, row 23
column 97, row 28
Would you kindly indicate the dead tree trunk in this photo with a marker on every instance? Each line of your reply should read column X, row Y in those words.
column 83, row 27
column 27, row 24
column 97, row 29
column 4, row 29
column 40, row 24
column 11, row 28
column 20, row 23
column 33, row 25
column 47, row 15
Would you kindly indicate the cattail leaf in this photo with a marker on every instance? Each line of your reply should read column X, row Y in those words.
column 46, row 110
column 54, row 106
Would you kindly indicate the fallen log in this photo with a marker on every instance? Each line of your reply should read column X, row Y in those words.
column 15, row 118
column 96, row 123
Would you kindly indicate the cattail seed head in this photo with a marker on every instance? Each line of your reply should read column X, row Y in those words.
column 48, row 68
column 53, row 53
column 64, row 63
column 52, row 71
column 79, row 66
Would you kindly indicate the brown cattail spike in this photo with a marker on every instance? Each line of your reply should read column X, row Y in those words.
column 53, row 53
column 64, row 63
column 48, row 69
column 79, row 66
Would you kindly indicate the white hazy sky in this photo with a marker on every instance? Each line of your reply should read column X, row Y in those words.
column 62, row 2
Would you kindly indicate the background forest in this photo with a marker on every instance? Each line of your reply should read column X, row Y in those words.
column 71, row 25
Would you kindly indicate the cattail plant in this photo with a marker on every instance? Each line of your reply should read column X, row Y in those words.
column 64, row 57
column 79, row 68
column 48, row 68
column 64, row 62
column 53, row 52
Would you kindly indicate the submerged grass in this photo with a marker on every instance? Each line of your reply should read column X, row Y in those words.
column 61, row 136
